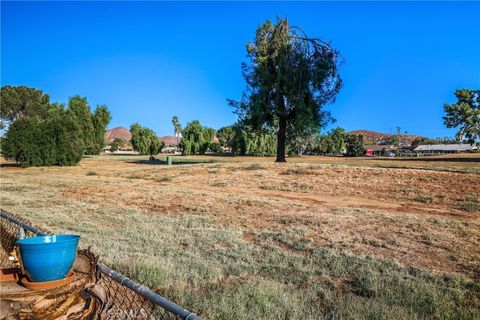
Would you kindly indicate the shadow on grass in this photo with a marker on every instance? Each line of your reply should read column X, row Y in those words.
column 10, row 165
column 174, row 163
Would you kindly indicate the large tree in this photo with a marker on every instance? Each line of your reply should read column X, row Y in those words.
column 466, row 114
column 145, row 141
column 290, row 77
column 101, row 118
column 21, row 101
column 196, row 139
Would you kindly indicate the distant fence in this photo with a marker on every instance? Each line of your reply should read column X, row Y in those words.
column 126, row 299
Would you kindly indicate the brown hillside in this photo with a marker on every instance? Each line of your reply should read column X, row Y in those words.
column 118, row 132
column 170, row 140
column 372, row 137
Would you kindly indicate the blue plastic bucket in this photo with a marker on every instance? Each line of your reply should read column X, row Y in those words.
column 48, row 258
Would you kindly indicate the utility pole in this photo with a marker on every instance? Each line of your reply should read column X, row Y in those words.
column 398, row 141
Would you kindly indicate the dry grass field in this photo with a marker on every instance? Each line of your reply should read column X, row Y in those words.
column 245, row 238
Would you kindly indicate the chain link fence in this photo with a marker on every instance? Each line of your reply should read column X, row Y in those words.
column 125, row 299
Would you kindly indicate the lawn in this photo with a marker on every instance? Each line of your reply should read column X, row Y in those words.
column 245, row 238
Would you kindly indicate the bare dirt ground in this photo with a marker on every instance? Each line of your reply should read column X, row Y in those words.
column 419, row 212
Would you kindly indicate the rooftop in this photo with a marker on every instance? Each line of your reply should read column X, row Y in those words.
column 446, row 147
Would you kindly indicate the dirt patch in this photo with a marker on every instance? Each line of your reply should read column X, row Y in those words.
column 413, row 215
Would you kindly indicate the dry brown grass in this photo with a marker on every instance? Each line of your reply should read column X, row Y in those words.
column 421, row 213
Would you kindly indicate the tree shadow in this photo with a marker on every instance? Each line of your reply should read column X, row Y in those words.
column 10, row 165
column 123, row 154
column 157, row 162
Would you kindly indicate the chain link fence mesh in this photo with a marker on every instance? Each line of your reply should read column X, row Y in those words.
column 121, row 303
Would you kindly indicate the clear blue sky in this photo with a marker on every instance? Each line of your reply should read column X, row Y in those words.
column 149, row 61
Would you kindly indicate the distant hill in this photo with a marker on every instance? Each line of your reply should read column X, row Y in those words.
column 170, row 140
column 124, row 134
column 372, row 137
column 118, row 132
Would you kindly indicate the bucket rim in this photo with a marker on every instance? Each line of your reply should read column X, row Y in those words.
column 54, row 239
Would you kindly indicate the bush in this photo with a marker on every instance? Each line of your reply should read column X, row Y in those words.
column 32, row 141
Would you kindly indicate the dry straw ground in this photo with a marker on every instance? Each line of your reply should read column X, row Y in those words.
column 245, row 238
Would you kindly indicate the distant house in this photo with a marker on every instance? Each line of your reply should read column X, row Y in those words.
column 126, row 148
column 445, row 148
column 378, row 150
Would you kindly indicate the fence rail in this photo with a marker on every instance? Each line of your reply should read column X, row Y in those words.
column 126, row 299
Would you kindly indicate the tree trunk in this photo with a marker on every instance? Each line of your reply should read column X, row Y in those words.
column 281, row 139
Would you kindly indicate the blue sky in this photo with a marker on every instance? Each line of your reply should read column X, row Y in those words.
column 149, row 61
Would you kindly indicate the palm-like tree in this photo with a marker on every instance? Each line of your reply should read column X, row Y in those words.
column 177, row 128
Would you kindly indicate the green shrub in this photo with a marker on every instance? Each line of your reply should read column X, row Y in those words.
column 255, row 166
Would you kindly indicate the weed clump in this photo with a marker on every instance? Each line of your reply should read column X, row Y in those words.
column 164, row 179
column 298, row 171
column 470, row 203
column 255, row 166
column 424, row 198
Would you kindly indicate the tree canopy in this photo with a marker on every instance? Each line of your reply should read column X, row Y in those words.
column 22, row 101
column 35, row 141
column 41, row 133
column 465, row 113
column 145, row 141
column 289, row 77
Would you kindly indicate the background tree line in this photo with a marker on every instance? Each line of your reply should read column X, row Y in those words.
column 42, row 133
column 241, row 140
